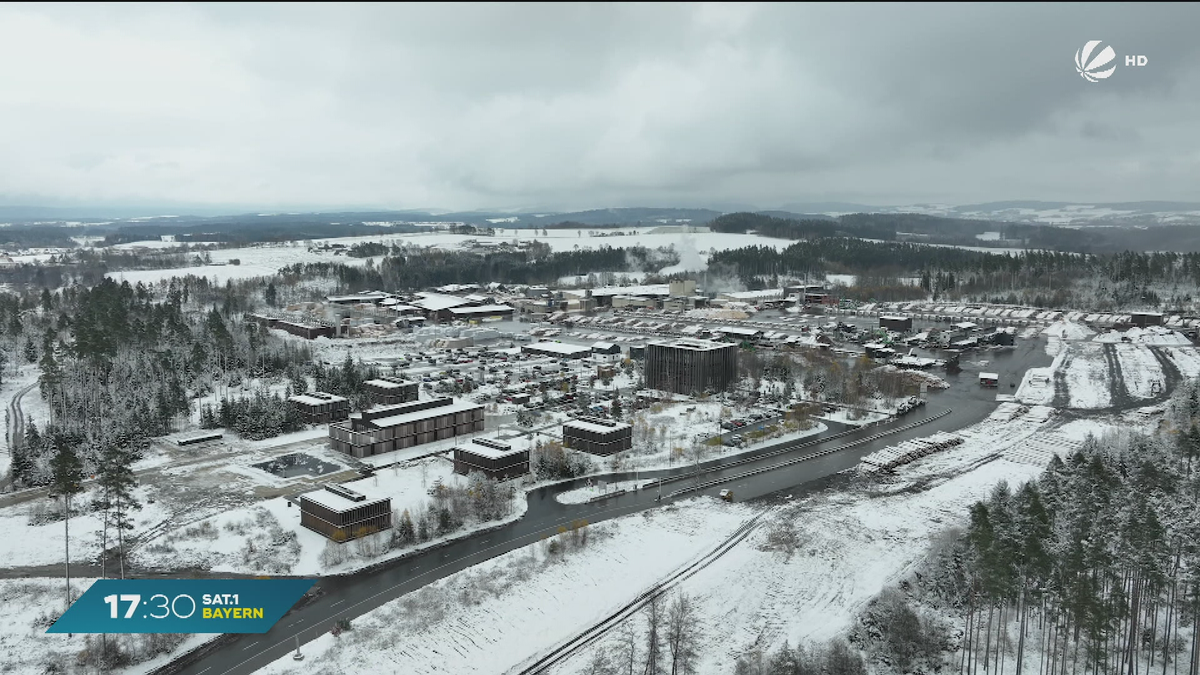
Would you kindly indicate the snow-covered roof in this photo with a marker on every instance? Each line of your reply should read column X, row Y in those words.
column 495, row 447
column 695, row 345
column 389, row 384
column 337, row 502
column 989, row 376
column 485, row 309
column 455, row 407
column 436, row 301
column 595, row 425
column 734, row 330
column 558, row 348
column 755, row 295
column 608, row 291
column 892, row 317
column 318, row 398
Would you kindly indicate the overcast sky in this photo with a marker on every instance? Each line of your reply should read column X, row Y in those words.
column 585, row 106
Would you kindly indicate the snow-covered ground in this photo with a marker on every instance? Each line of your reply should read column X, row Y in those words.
column 1087, row 376
column 670, row 434
column 1080, row 359
column 1141, row 371
column 31, row 605
column 583, row 494
column 1150, row 335
column 495, row 615
column 852, row 545
column 1186, row 359
column 227, row 542
column 848, row 547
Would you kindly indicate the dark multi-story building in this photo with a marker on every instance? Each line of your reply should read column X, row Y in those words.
column 391, row 390
column 320, row 408
column 497, row 458
column 690, row 366
column 404, row 425
column 597, row 436
column 342, row 514
column 1143, row 319
column 304, row 330
column 900, row 324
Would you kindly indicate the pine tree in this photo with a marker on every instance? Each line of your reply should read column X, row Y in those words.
column 67, row 478
column 271, row 296
column 405, row 528
column 117, row 482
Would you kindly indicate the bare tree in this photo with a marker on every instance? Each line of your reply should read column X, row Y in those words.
column 683, row 634
column 654, row 636
column 627, row 649
column 601, row 663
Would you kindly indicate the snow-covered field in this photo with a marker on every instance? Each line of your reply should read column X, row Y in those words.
column 1151, row 335
column 1186, row 359
column 495, row 615
column 1082, row 362
column 227, row 541
column 1141, row 371
column 266, row 260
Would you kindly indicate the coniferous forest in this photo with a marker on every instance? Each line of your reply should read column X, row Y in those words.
column 1093, row 568
column 120, row 366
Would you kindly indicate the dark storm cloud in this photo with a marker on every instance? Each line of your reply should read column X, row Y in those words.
column 581, row 105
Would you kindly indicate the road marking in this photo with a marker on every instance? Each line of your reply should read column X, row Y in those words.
column 205, row 670
column 338, row 602
column 249, row 646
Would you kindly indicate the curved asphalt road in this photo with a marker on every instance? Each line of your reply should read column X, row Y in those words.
column 353, row 595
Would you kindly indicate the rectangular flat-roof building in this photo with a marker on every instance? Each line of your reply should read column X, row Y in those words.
column 738, row 333
column 497, row 458
column 404, row 425
column 690, row 366
column 597, row 436
column 305, row 330
column 320, row 408
column 900, row 324
column 342, row 514
column 479, row 313
column 557, row 350
column 391, row 390
column 1143, row 319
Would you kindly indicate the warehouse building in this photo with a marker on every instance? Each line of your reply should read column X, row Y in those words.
column 342, row 514
column 404, row 425
column 496, row 458
column 900, row 324
column 306, row 330
column 1143, row 319
column 691, row 366
column 558, row 350
column 597, row 436
column 391, row 390
column 320, row 407
column 480, row 313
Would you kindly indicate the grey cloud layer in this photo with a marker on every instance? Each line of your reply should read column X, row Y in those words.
column 586, row 105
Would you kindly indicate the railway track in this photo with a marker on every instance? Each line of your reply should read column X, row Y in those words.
column 606, row 625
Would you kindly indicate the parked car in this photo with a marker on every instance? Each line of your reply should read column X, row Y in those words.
column 727, row 495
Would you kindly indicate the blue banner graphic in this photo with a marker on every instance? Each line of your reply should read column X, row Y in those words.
column 181, row 606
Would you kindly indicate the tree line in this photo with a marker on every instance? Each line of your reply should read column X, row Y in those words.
column 426, row 268
column 1093, row 568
